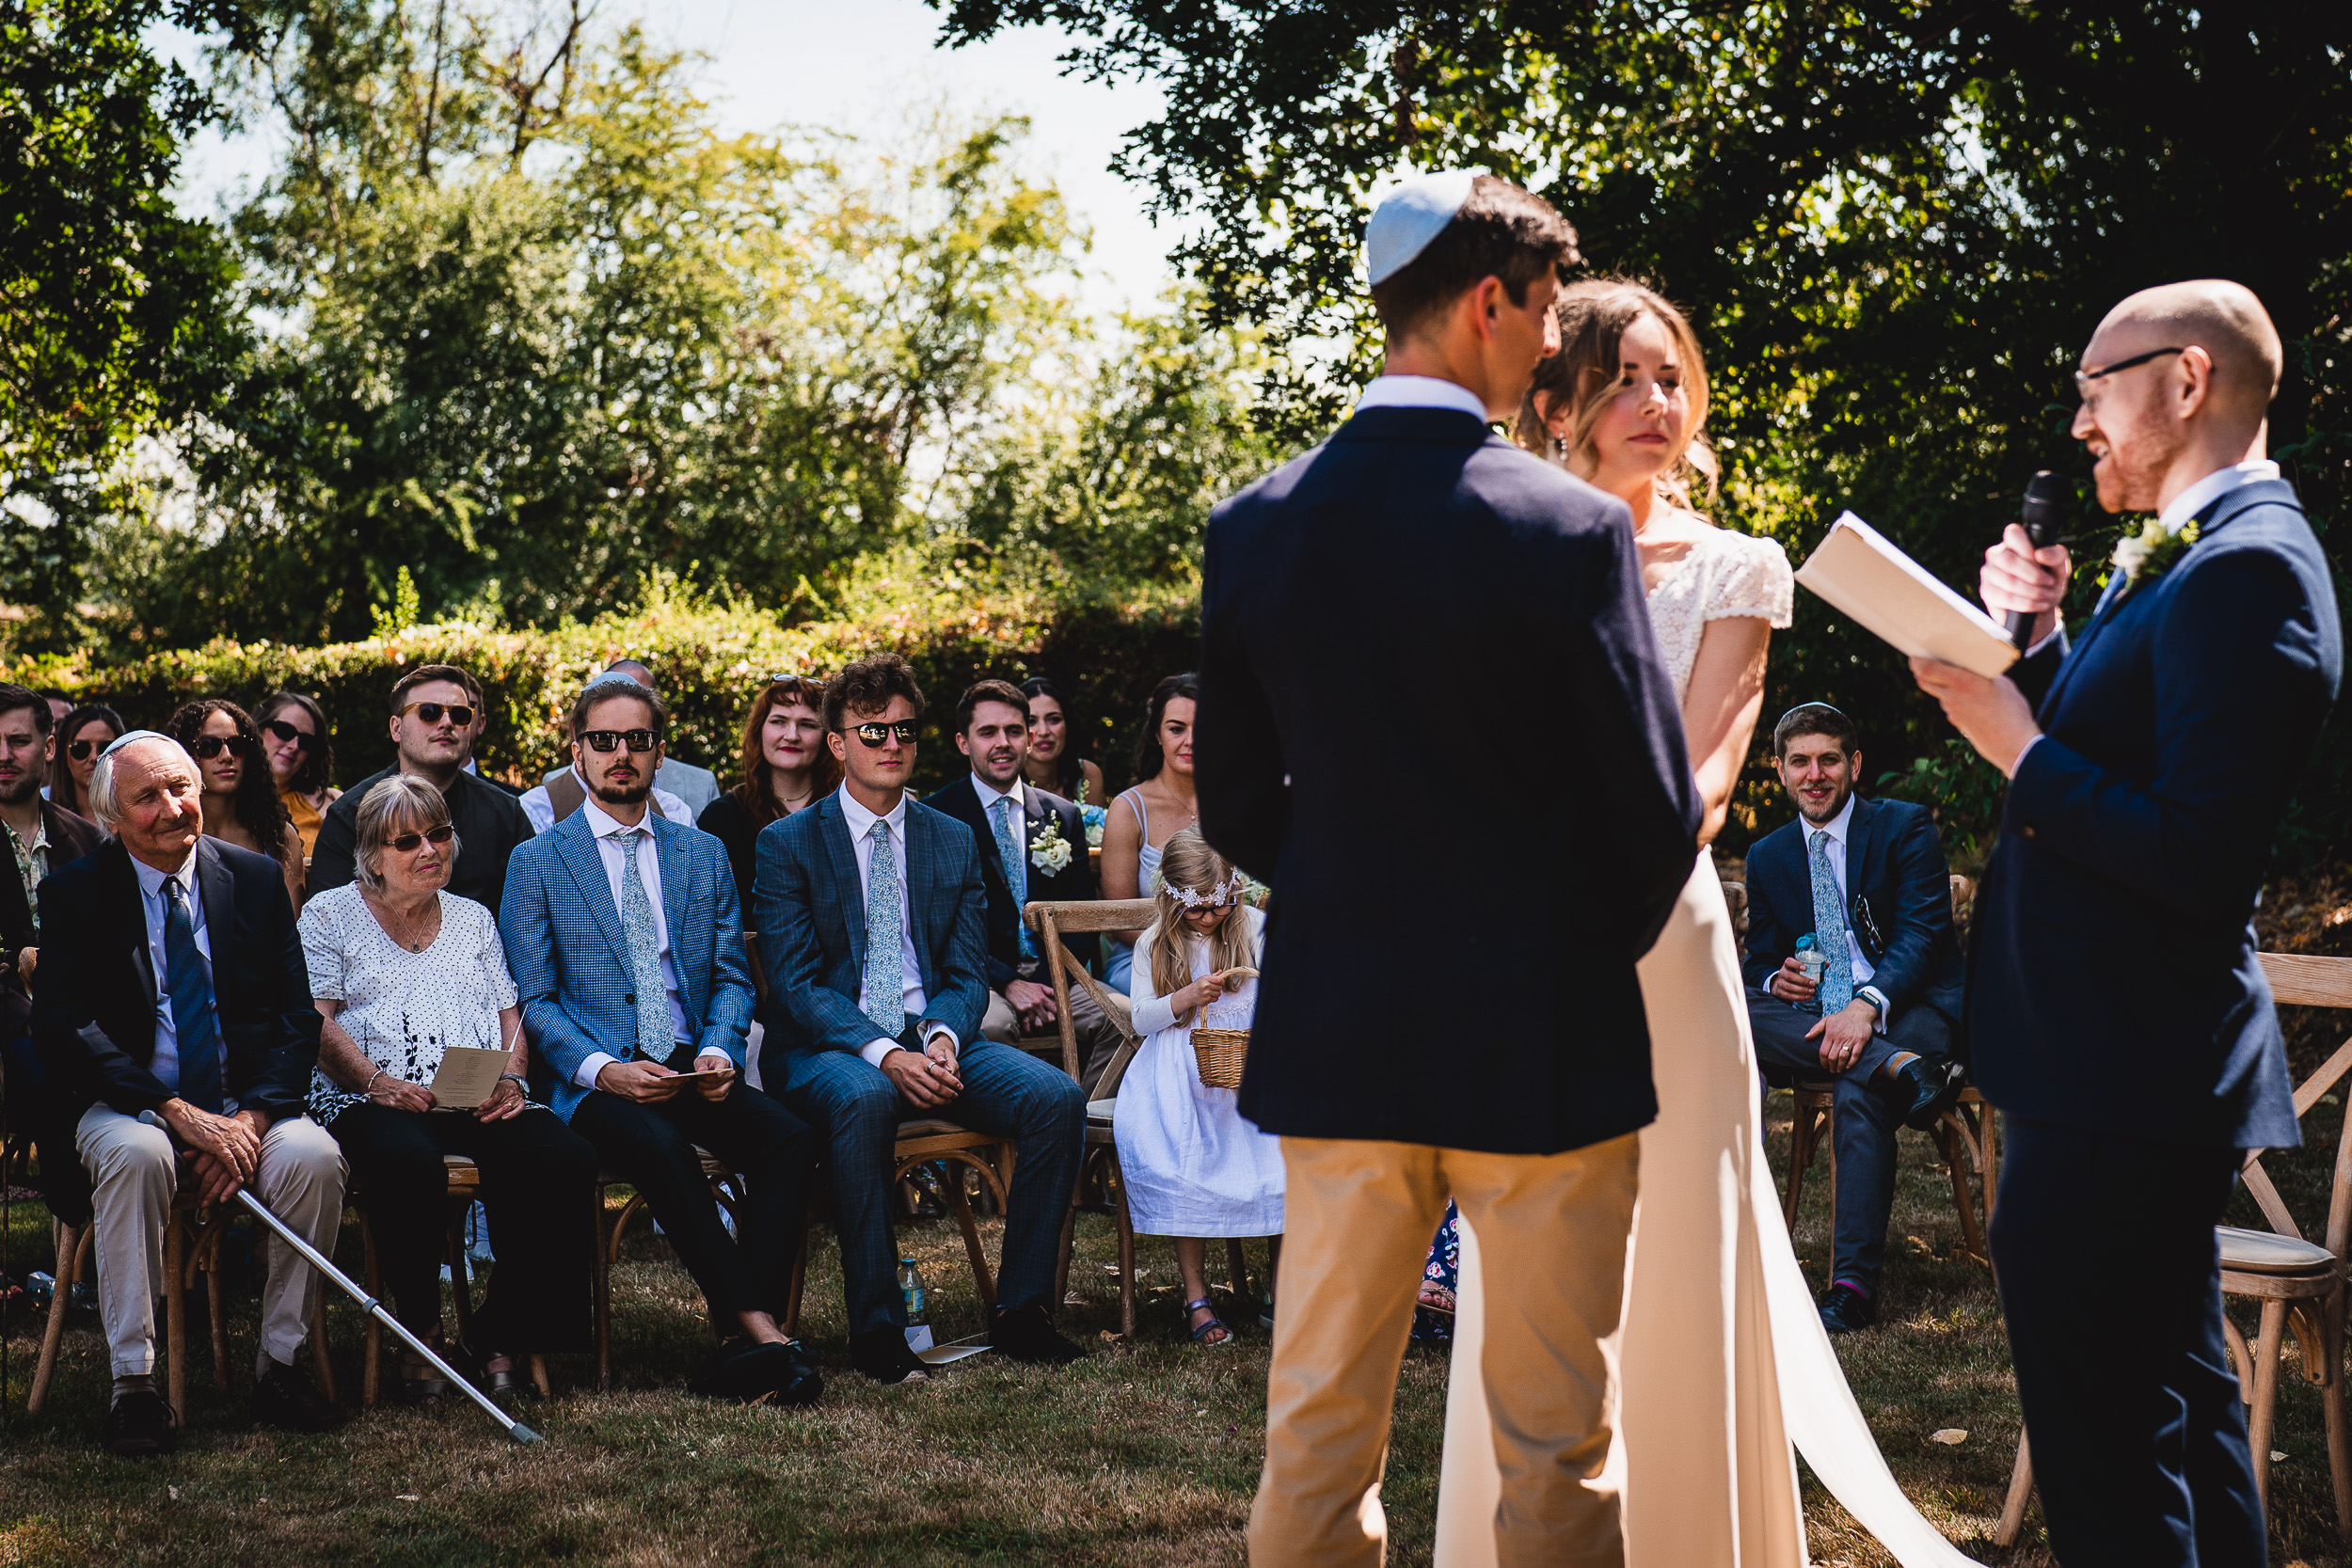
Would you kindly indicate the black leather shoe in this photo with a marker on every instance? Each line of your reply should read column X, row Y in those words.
column 285, row 1399
column 788, row 1376
column 1026, row 1334
column 1845, row 1310
column 140, row 1426
column 881, row 1355
column 1931, row 1085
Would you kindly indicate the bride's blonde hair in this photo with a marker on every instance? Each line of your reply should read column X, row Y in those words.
column 1188, row 862
column 1594, row 315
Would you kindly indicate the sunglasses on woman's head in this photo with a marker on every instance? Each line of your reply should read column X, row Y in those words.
column 207, row 747
column 604, row 740
column 299, row 739
column 877, row 734
column 431, row 713
column 435, row 836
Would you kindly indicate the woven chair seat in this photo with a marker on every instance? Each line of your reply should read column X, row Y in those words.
column 2267, row 1252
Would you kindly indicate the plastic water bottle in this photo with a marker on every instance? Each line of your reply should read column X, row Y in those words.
column 918, row 1314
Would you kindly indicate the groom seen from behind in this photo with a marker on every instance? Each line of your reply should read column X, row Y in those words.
column 2117, row 1014
column 1388, row 1099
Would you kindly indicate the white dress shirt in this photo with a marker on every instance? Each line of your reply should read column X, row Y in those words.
column 1422, row 391
column 608, row 831
column 1837, row 828
column 861, row 825
column 165, row 1063
column 540, row 807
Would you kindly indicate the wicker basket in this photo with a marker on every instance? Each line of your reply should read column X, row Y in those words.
column 1222, row 1054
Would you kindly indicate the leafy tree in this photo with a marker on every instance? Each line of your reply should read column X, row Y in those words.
column 1896, row 222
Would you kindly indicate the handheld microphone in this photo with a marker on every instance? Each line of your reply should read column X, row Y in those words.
column 2046, row 494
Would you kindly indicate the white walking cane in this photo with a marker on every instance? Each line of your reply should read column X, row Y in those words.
column 374, row 1309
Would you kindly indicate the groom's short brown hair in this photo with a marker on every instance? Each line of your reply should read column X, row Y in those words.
column 1501, row 232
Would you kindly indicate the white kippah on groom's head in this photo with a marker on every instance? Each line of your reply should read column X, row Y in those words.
column 1409, row 217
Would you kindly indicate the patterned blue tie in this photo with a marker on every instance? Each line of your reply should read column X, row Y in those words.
column 654, row 1034
column 1016, row 869
column 885, row 987
column 1829, row 933
column 188, row 981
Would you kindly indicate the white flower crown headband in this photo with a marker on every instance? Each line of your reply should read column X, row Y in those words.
column 1228, row 892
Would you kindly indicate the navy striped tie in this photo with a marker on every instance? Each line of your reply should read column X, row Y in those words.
column 188, row 981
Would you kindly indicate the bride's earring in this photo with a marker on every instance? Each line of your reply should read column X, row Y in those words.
column 1558, row 447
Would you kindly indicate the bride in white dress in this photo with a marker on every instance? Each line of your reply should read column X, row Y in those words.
column 1725, row 1362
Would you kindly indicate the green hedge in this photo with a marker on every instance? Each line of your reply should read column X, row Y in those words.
column 712, row 659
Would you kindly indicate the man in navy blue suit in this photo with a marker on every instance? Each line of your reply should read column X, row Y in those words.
column 1867, row 882
column 1417, row 564
column 2116, row 1012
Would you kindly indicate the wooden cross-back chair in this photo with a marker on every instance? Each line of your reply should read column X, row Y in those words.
column 1051, row 921
column 2299, row 1282
column 463, row 1188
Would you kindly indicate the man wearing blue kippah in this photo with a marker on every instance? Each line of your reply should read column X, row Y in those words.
column 1415, row 563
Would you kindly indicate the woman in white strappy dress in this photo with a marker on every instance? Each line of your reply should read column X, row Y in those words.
column 1725, row 1362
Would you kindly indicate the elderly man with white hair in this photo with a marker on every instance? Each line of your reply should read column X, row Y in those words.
column 172, row 981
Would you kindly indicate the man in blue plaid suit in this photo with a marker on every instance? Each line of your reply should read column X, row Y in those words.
column 871, row 912
column 625, row 936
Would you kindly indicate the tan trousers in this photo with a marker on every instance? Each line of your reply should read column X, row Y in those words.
column 1360, row 1222
column 1098, row 1036
column 135, row 1175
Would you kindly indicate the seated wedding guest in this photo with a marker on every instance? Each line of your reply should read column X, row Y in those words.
column 566, row 789
column 433, row 717
column 1160, row 804
column 402, row 970
column 42, row 837
column 80, row 737
column 622, row 930
column 784, row 767
column 1867, row 882
column 879, row 986
column 205, row 1018
column 1053, row 763
column 294, row 739
column 241, row 803
column 1192, row 1166
column 1032, row 847
column 696, row 786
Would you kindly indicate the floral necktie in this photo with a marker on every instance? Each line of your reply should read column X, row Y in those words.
column 885, row 986
column 1829, row 933
column 1016, row 872
column 654, row 1042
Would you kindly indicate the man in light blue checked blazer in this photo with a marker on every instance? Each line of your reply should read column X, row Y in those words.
column 872, row 912
column 623, row 933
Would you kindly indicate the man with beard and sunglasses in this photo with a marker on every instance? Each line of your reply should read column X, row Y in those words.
column 433, row 714
column 42, row 837
column 623, row 933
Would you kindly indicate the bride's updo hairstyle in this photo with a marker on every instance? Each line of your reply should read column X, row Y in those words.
column 1188, row 865
column 1594, row 316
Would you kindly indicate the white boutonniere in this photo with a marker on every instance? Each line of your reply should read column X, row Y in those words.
column 2150, row 552
column 1049, row 851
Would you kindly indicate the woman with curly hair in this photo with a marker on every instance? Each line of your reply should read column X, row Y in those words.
column 241, row 803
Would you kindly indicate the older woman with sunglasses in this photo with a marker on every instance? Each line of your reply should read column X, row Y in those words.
column 294, row 739
column 241, row 804
column 403, row 972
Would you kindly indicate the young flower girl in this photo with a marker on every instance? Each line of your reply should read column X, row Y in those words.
column 1193, row 1167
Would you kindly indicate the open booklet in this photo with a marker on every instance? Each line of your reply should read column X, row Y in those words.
column 1882, row 590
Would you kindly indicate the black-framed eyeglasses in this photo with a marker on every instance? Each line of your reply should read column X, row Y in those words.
column 301, row 740
column 2083, row 378
column 207, row 747
column 435, row 836
column 605, row 740
column 433, row 713
column 80, row 749
column 878, row 734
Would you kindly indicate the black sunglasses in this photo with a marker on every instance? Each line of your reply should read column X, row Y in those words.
column 433, row 713
column 604, row 740
column 80, row 749
column 207, row 747
column 302, row 740
column 436, row 837
column 877, row 734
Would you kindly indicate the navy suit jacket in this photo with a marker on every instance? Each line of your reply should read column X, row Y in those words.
column 2112, row 982
column 569, row 956
column 1075, row 880
column 812, row 926
column 94, row 996
column 1895, row 865
column 1416, row 567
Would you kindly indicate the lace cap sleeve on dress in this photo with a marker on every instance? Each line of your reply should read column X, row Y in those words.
column 1753, row 579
